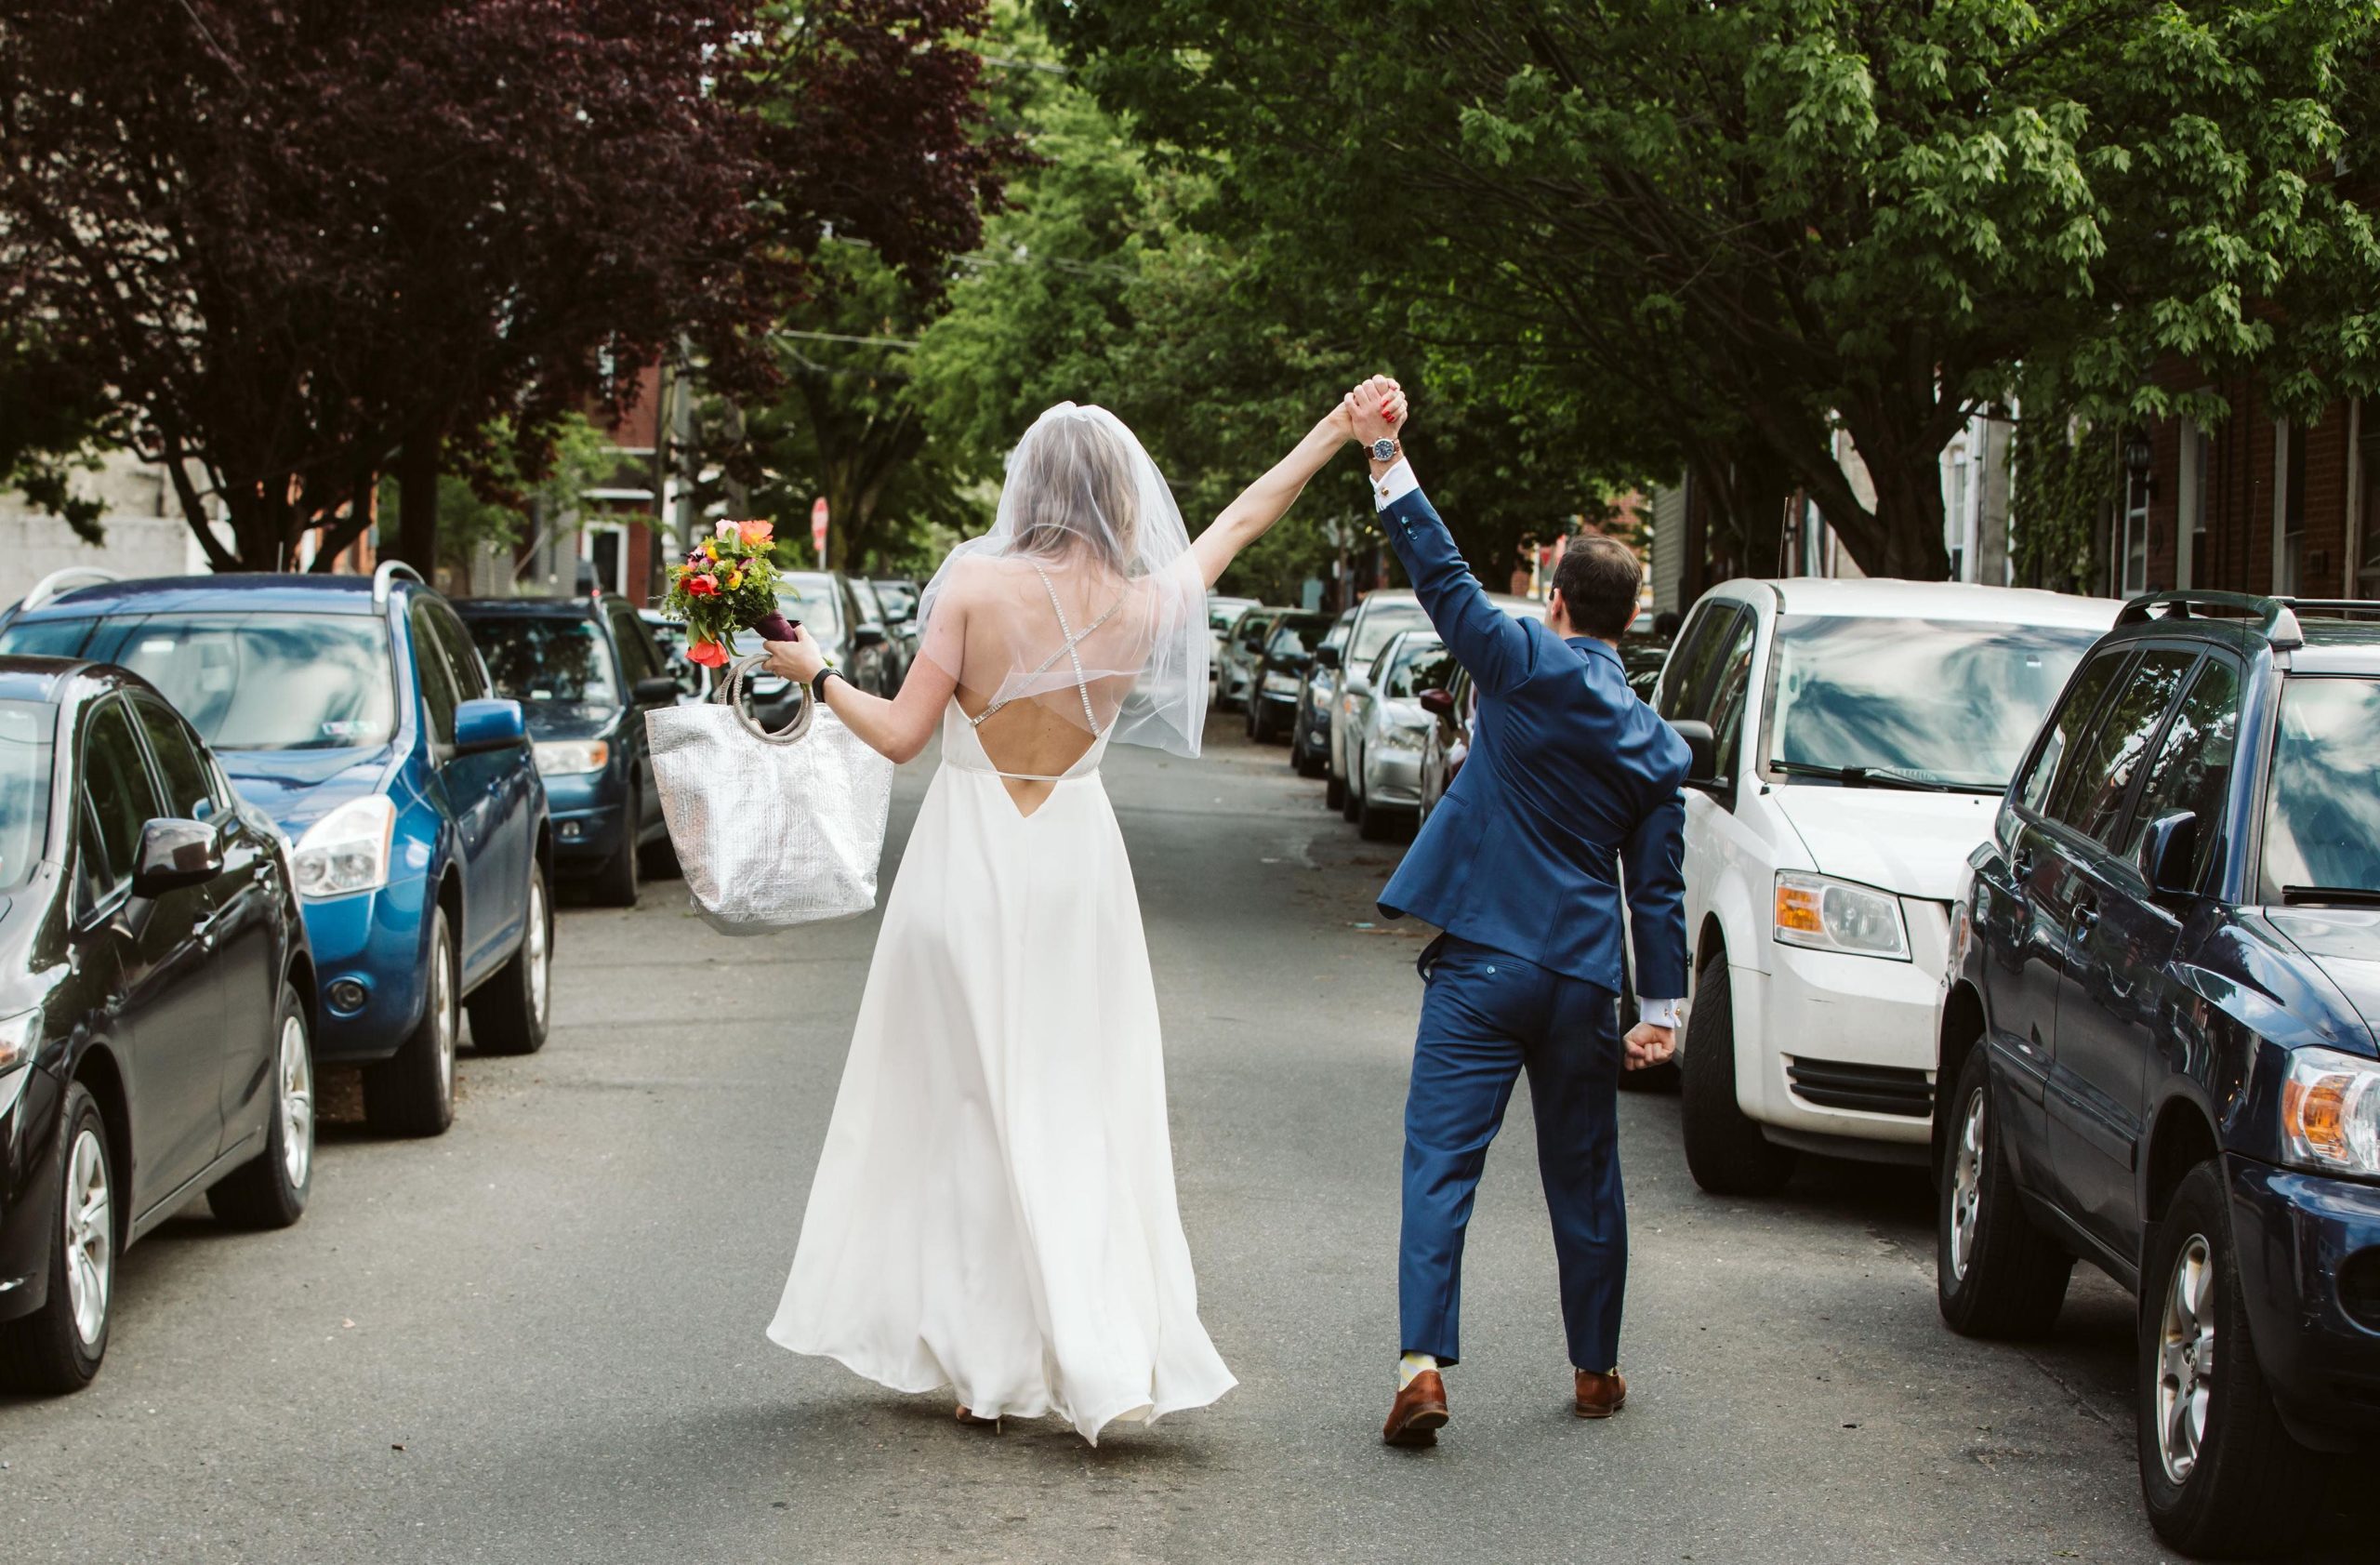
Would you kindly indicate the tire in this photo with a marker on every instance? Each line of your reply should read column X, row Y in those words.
column 412, row 1091
column 58, row 1348
column 1995, row 1274
column 513, row 1012
column 269, row 1191
column 1725, row 1150
column 614, row 885
column 1258, row 728
column 661, row 860
column 1334, row 787
column 1308, row 762
column 2239, row 1488
column 1374, row 823
column 1661, row 1077
column 1351, row 800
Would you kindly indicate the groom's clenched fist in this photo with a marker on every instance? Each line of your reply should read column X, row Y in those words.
column 1648, row 1045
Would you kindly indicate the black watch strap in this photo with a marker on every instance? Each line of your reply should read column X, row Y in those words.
column 818, row 684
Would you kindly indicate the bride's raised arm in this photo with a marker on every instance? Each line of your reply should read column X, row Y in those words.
column 1262, row 503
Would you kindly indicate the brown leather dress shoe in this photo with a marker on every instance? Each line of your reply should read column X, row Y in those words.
column 1599, row 1395
column 1418, row 1413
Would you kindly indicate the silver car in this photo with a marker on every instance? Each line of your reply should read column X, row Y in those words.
column 1243, row 649
column 1222, row 615
column 1378, row 618
column 1386, row 729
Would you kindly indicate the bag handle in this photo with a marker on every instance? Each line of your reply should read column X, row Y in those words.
column 731, row 690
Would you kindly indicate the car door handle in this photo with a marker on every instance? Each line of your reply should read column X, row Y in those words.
column 2087, row 919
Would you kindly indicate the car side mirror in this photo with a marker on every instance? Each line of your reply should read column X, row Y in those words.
column 174, row 854
column 1703, row 752
column 1440, row 702
column 2168, row 852
column 659, row 688
column 1326, row 658
column 868, row 635
column 489, row 724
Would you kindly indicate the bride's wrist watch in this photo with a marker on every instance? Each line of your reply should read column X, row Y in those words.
column 818, row 684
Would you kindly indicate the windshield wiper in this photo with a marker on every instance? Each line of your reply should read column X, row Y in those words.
column 1871, row 777
column 2347, row 896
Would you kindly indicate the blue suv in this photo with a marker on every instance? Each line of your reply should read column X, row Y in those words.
column 357, row 714
column 2159, row 1015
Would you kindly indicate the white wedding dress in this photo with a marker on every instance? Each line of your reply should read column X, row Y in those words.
column 994, row 1208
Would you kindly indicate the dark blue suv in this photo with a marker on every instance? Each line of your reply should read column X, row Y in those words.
column 2159, row 1015
column 357, row 715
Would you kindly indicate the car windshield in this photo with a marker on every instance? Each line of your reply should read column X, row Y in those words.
column 1950, row 702
column 25, row 728
column 2322, row 815
column 812, row 600
column 1379, row 621
column 900, row 599
column 264, row 681
column 1415, row 667
column 1251, row 631
column 1223, row 613
column 546, row 658
column 1293, row 638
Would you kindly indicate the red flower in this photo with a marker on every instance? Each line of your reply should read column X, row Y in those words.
column 710, row 655
column 704, row 586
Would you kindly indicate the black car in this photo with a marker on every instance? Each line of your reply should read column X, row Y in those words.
column 1644, row 653
column 1280, row 673
column 586, row 671
column 2156, row 1046
column 1317, row 693
column 156, row 995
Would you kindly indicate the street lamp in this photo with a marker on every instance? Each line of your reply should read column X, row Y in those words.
column 2138, row 455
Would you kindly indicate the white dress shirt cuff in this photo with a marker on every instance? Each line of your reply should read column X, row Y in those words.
column 1394, row 484
column 1661, row 1013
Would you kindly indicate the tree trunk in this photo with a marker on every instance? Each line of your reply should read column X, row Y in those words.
column 1902, row 536
column 416, row 469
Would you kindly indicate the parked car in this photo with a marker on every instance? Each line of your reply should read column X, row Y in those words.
column 2160, row 1023
column 1242, row 650
column 1222, row 615
column 893, row 652
column 900, row 599
column 1385, row 731
column 1317, row 694
column 1272, row 699
column 669, row 635
column 586, row 672
column 1379, row 616
column 156, row 1002
column 1643, row 654
column 1445, row 742
column 823, row 603
column 356, row 713
column 1863, row 734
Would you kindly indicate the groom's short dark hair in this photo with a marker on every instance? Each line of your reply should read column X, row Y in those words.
column 1599, row 579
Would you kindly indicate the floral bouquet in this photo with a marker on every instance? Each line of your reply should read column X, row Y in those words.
column 728, row 583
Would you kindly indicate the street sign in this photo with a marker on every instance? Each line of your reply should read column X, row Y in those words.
column 818, row 527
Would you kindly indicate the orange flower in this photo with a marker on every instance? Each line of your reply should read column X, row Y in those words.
column 710, row 655
column 756, row 534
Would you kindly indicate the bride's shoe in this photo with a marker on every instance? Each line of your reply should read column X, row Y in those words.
column 967, row 1417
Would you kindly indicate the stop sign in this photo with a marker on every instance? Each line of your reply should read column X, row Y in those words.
column 818, row 527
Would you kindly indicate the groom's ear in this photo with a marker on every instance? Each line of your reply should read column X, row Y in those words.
column 1557, row 614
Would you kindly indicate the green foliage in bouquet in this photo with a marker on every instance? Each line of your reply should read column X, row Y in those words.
column 727, row 584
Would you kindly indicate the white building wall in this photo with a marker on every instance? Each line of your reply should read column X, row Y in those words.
column 144, row 531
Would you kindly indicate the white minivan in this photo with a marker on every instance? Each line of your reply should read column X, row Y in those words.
column 1863, row 733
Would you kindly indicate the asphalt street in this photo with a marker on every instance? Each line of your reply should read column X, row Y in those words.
column 539, row 1338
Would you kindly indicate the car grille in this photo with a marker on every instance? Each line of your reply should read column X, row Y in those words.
column 1876, row 1089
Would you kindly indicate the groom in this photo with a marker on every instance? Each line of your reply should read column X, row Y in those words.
column 1570, row 791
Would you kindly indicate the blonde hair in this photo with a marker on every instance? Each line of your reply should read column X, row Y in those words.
column 1072, row 479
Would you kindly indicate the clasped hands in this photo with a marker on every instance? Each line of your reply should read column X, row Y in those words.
column 1374, row 410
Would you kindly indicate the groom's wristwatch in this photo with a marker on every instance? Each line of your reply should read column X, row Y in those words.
column 1382, row 450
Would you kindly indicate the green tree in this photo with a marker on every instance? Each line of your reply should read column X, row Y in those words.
column 500, row 506
column 1713, row 235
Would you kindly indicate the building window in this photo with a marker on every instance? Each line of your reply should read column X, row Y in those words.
column 2288, row 508
column 2190, row 563
column 2132, row 556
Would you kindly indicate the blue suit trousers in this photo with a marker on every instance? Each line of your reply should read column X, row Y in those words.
column 1487, row 1017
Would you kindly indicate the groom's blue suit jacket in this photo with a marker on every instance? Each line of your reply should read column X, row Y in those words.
column 1570, row 791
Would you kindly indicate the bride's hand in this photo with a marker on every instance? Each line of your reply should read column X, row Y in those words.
column 797, row 659
column 1342, row 418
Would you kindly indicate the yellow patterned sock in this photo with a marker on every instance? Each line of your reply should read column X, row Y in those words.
column 1412, row 1364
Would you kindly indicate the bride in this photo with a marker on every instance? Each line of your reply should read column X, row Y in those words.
column 994, row 1208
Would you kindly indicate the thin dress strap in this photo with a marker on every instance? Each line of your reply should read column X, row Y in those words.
column 1083, row 682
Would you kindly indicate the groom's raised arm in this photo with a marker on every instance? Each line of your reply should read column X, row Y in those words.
column 1484, row 639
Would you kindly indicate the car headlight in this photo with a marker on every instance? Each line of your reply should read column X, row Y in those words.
column 1401, row 738
column 2330, row 1113
column 1826, row 914
column 20, row 1036
column 571, row 757
column 347, row 849
column 1280, row 683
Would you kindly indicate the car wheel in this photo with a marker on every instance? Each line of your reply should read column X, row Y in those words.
column 1374, row 823
column 412, row 1091
column 2220, row 1474
column 1334, row 789
column 510, row 1012
column 1351, row 797
column 269, row 1191
column 58, row 1348
column 661, row 860
column 1995, row 1274
column 616, row 883
column 1725, row 1150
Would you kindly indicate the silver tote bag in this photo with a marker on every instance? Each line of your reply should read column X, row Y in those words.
column 771, row 829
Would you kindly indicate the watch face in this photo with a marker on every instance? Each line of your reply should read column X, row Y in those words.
column 1384, row 449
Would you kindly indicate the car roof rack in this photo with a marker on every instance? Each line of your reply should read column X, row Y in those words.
column 56, row 582
column 2274, row 619
column 384, row 579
